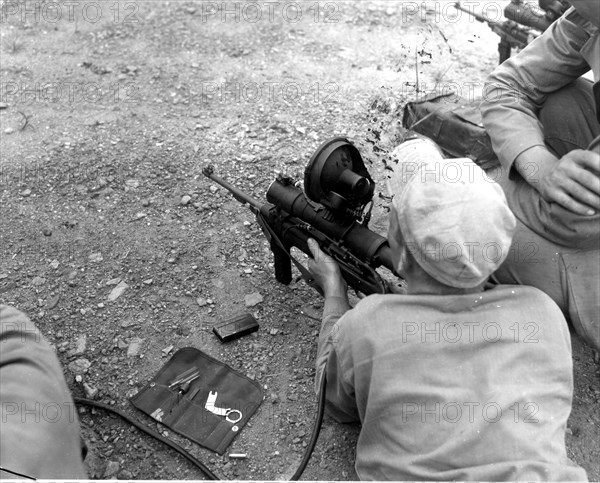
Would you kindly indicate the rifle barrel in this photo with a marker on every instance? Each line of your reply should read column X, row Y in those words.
column 479, row 18
column 239, row 195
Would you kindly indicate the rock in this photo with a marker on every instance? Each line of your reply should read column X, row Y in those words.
column 38, row 281
column 185, row 200
column 80, row 346
column 79, row 366
column 54, row 264
column 116, row 292
column 52, row 302
column 24, row 193
column 167, row 350
column 90, row 391
column 274, row 331
column 9, row 130
column 253, row 299
column 201, row 301
column 113, row 281
column 95, row 257
column 112, row 468
column 135, row 346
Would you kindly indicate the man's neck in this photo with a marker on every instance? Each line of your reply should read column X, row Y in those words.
column 421, row 283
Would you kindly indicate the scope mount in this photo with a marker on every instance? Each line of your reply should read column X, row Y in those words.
column 336, row 177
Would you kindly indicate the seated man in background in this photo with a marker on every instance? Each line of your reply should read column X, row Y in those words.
column 543, row 120
column 40, row 428
column 449, row 381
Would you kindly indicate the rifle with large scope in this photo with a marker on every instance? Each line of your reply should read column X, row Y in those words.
column 332, row 211
column 526, row 21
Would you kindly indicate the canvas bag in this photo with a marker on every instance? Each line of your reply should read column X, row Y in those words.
column 227, row 388
column 455, row 125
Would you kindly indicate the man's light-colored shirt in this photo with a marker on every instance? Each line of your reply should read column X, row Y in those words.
column 517, row 89
column 469, row 387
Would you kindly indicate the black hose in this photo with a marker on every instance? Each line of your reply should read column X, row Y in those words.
column 154, row 434
column 316, row 429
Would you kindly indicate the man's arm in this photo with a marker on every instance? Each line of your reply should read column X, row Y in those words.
column 340, row 395
column 515, row 92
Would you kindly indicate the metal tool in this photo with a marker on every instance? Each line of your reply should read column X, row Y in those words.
column 227, row 412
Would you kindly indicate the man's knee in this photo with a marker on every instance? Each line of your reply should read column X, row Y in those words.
column 569, row 119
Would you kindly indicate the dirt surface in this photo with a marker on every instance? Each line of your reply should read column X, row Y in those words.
column 108, row 115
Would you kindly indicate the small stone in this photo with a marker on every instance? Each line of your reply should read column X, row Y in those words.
column 127, row 323
column 96, row 257
column 253, row 299
column 116, row 292
column 112, row 468
column 79, row 378
column 47, row 232
column 135, row 346
column 274, row 398
column 185, row 200
column 3, row 276
column 146, row 203
column 54, row 264
column 125, row 475
column 90, row 391
column 9, row 130
column 201, row 301
column 148, row 281
column 25, row 193
column 100, row 305
column 79, row 366
column 132, row 183
column 113, row 281
column 38, row 281
column 167, row 350
column 80, row 345
column 52, row 302
column 213, row 189
column 274, row 331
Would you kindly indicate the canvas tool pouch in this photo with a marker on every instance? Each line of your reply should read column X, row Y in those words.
column 187, row 414
column 455, row 125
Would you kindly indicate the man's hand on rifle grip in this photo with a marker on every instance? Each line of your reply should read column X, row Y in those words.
column 326, row 272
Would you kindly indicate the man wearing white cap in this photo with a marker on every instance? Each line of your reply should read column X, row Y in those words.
column 449, row 381
column 544, row 123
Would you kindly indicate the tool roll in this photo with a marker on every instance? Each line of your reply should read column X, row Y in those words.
column 200, row 398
